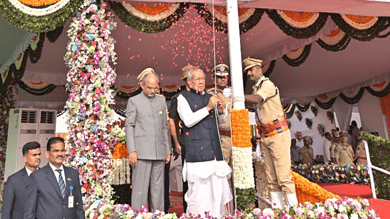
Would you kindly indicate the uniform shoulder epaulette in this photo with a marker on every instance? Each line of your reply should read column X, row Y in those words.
column 211, row 90
column 162, row 96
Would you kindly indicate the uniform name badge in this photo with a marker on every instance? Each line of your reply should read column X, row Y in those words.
column 70, row 198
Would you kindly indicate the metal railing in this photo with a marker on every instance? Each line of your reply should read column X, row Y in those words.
column 371, row 167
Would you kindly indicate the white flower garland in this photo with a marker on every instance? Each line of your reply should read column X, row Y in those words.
column 39, row 11
column 90, row 49
column 242, row 168
column 121, row 171
column 148, row 17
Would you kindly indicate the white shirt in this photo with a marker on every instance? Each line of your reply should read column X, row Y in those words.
column 326, row 145
column 28, row 171
column 192, row 118
column 57, row 174
column 200, row 174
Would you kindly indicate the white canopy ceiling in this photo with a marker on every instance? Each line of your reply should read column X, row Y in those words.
column 190, row 40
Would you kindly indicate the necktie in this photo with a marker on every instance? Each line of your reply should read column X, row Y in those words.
column 61, row 182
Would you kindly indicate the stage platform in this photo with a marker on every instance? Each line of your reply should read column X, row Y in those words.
column 343, row 190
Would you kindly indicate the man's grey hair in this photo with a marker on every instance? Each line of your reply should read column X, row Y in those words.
column 189, row 73
column 146, row 75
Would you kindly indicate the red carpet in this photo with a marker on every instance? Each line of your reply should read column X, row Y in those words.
column 354, row 191
column 176, row 199
column 381, row 206
column 351, row 191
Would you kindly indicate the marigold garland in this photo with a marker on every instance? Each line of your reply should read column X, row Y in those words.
column 359, row 20
column 152, row 10
column 38, row 3
column 299, row 16
column 41, row 20
column 120, row 151
column 241, row 130
column 298, row 27
column 310, row 192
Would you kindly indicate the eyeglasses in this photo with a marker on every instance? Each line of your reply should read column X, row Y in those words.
column 199, row 79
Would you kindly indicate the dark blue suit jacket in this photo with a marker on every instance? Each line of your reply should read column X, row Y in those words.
column 44, row 199
column 14, row 196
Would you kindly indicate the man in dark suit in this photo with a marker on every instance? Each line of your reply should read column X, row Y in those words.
column 54, row 191
column 14, row 195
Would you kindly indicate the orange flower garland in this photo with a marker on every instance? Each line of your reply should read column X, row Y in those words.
column 120, row 151
column 152, row 10
column 38, row 3
column 241, row 130
column 299, row 16
column 358, row 19
column 310, row 192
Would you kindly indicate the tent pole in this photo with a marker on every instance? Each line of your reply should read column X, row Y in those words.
column 235, row 54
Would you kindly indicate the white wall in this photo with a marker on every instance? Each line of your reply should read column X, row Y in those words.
column 321, row 118
column 371, row 115
column 343, row 112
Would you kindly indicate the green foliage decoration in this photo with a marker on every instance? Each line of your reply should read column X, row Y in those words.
column 379, row 155
column 38, row 24
column 144, row 25
column 246, row 199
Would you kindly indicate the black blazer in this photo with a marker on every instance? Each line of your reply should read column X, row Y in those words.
column 44, row 199
column 14, row 195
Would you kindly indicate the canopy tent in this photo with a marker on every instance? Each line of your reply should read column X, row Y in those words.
column 190, row 40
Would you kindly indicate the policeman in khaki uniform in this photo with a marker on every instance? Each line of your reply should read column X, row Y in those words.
column 343, row 153
column 360, row 153
column 275, row 134
column 221, row 72
column 336, row 141
column 306, row 152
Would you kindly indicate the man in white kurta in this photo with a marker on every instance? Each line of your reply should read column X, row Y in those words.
column 204, row 168
column 326, row 146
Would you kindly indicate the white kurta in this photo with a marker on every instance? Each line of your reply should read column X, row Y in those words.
column 208, row 186
column 326, row 145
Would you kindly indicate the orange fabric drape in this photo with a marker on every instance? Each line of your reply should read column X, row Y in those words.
column 385, row 106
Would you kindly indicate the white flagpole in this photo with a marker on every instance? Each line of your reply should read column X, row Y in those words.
column 235, row 54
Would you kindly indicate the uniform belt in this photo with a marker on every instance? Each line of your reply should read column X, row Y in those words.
column 225, row 133
column 274, row 127
column 364, row 158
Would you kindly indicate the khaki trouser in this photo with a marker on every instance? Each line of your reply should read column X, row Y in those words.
column 276, row 153
column 226, row 143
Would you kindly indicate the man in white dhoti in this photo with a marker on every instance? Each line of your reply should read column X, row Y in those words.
column 205, row 169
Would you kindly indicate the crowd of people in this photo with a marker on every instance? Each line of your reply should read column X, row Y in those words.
column 339, row 147
column 196, row 125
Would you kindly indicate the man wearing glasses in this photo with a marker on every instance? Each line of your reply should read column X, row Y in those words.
column 204, row 168
column 147, row 140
